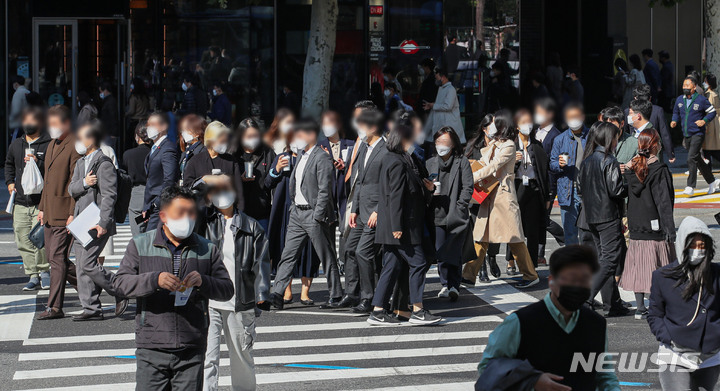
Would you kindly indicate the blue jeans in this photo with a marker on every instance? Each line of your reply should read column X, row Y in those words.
column 569, row 216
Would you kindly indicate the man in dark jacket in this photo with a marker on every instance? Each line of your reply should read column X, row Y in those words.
column 245, row 255
column 109, row 111
column 428, row 88
column 173, row 272
column 31, row 145
column 161, row 166
column 657, row 119
column 194, row 100
column 651, row 70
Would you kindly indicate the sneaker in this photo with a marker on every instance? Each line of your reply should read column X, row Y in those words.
column 714, row 186
column 527, row 284
column 45, row 280
column 640, row 315
column 689, row 191
column 454, row 294
column 32, row 285
column 444, row 292
column 381, row 318
column 424, row 317
column 400, row 318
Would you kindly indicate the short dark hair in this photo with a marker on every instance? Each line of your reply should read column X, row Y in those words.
column 711, row 80
column 647, row 52
column 17, row 79
column 441, row 71
column 106, row 86
column 160, row 114
column 306, row 124
column 635, row 61
column 365, row 104
column 396, row 136
column 37, row 112
column 141, row 132
column 371, row 117
column 60, row 111
column 612, row 114
column 664, row 54
column 574, row 254
column 457, row 149
column 642, row 91
column 546, row 103
column 642, row 106
column 95, row 131
column 428, row 62
column 169, row 194
column 573, row 105
column 692, row 79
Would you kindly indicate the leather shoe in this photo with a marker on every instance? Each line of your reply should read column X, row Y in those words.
column 121, row 306
column 363, row 308
column 484, row 273
column 494, row 268
column 347, row 302
column 85, row 316
column 307, row 302
column 277, row 300
column 51, row 313
column 332, row 303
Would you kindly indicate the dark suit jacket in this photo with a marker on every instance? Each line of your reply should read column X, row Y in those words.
column 669, row 313
column 367, row 190
column 339, row 190
column 657, row 119
column 540, row 163
column 161, row 168
column 109, row 115
column 547, row 145
column 103, row 194
column 402, row 203
column 317, row 184
column 202, row 164
column 56, row 203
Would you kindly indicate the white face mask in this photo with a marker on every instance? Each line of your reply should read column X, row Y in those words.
column 181, row 228
column 539, row 119
column 223, row 199
column 696, row 256
column 525, row 129
column 442, row 150
column 420, row 138
column 285, row 128
column 294, row 148
column 575, row 124
column 187, row 137
column 706, row 86
column 80, row 147
column 329, row 131
column 300, row 144
column 251, row 143
column 411, row 149
column 492, row 130
column 153, row 133
column 361, row 134
column 55, row 133
column 221, row 148
column 630, row 120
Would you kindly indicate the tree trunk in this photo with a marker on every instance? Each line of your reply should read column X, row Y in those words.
column 712, row 36
column 319, row 59
column 479, row 26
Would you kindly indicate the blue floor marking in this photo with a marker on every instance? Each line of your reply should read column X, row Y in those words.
column 316, row 366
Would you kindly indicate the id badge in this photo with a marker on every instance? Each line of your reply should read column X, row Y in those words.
column 526, row 180
column 182, row 296
column 655, row 225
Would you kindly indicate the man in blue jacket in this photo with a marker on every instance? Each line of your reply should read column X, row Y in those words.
column 565, row 159
column 693, row 111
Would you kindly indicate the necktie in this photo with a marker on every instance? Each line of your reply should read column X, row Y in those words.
column 153, row 149
column 352, row 159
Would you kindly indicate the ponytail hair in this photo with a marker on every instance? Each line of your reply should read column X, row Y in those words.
column 648, row 142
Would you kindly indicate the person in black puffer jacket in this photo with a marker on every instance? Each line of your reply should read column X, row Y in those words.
column 602, row 190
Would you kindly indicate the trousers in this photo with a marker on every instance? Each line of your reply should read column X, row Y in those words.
column 165, row 370
column 239, row 330
column 393, row 257
column 92, row 278
column 57, row 248
column 34, row 260
column 522, row 259
column 610, row 245
column 450, row 270
column 695, row 161
column 360, row 254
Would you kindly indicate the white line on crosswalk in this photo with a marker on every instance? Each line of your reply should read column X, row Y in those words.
column 268, row 345
column 429, row 387
column 260, row 330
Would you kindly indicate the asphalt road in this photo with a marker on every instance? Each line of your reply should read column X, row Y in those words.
column 298, row 348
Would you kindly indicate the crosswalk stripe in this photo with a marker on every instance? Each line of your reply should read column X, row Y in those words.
column 260, row 330
column 51, row 373
column 428, row 387
column 267, row 345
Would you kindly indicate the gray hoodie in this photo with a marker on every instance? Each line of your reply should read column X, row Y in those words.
column 689, row 226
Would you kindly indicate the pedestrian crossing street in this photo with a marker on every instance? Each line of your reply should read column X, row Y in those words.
column 298, row 348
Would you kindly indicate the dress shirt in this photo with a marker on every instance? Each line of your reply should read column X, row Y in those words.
column 504, row 341
column 157, row 143
column 335, row 149
column 370, row 148
column 540, row 133
column 640, row 129
column 299, row 198
column 87, row 159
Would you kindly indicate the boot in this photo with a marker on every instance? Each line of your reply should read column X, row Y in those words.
column 494, row 268
column 483, row 273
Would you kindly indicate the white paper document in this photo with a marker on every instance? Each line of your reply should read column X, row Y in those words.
column 81, row 224
column 11, row 203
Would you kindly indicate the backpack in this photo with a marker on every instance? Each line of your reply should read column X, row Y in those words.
column 124, row 190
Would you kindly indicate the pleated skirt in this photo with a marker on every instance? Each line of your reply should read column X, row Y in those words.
column 643, row 257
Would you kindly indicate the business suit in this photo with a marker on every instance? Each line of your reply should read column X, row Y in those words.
column 312, row 221
column 349, row 182
column 657, row 119
column 92, row 278
column 361, row 251
column 161, row 167
column 57, row 205
column 401, row 207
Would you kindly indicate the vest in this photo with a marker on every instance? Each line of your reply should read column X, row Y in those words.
column 549, row 348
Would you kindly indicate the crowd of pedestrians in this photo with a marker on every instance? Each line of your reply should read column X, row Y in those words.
column 224, row 219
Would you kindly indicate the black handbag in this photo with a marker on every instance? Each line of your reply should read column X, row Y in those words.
column 37, row 235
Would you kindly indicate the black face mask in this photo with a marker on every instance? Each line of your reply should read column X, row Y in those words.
column 572, row 297
column 30, row 129
column 687, row 91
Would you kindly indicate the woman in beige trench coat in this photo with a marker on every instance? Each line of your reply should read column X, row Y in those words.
column 711, row 147
column 498, row 219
